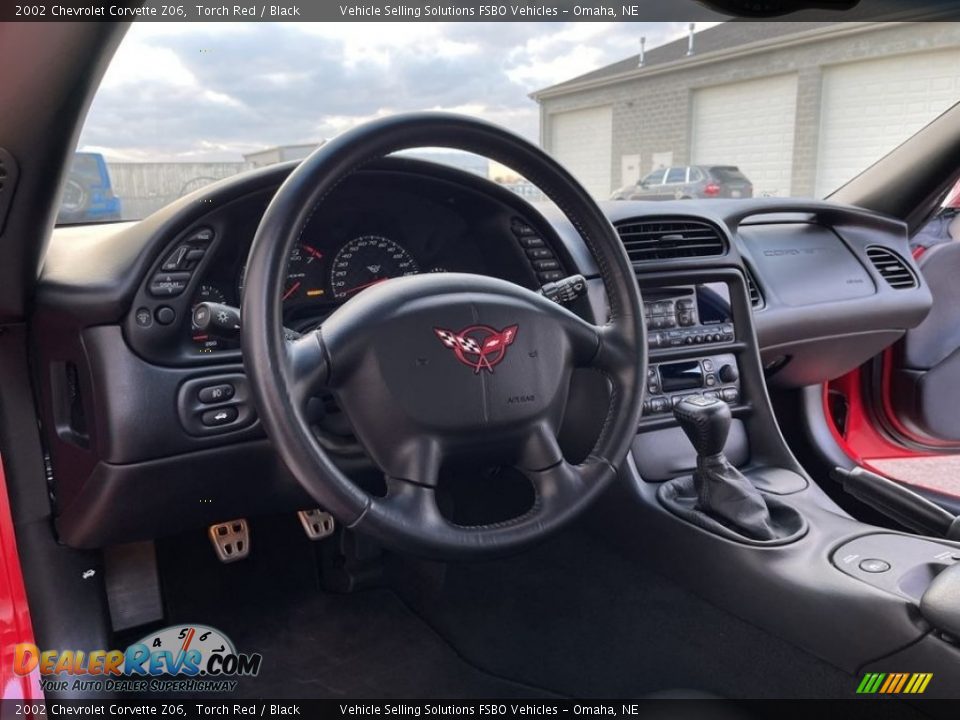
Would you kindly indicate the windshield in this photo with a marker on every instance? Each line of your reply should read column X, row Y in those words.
column 636, row 111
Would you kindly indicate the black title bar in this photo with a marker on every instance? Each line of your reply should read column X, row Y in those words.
column 473, row 10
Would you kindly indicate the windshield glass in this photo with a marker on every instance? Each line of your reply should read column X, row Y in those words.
column 737, row 110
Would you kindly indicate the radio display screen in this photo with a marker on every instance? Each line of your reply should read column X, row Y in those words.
column 713, row 304
column 679, row 376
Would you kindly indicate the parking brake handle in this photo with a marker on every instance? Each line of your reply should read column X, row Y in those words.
column 898, row 502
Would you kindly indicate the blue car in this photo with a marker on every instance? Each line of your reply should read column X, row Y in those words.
column 87, row 194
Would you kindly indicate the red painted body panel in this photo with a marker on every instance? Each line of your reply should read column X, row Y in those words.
column 15, row 624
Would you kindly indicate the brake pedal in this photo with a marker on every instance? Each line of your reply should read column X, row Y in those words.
column 317, row 524
column 231, row 540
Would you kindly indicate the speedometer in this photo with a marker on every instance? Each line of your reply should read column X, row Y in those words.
column 366, row 261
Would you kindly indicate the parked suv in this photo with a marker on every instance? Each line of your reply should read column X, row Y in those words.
column 687, row 182
column 88, row 193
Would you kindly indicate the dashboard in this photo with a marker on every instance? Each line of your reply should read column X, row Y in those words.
column 378, row 225
column 141, row 410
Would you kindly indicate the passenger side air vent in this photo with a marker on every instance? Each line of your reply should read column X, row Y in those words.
column 756, row 297
column 892, row 268
column 649, row 240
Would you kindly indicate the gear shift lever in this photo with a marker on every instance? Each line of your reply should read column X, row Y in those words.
column 706, row 421
column 723, row 493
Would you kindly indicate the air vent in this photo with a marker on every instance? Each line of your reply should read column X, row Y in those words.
column 892, row 268
column 649, row 240
column 756, row 297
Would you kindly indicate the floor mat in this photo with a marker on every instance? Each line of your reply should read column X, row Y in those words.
column 575, row 616
column 367, row 645
column 315, row 644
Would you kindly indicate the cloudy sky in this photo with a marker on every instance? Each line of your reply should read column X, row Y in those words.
column 212, row 92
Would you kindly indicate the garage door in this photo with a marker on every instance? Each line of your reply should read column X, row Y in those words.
column 870, row 107
column 748, row 124
column 582, row 142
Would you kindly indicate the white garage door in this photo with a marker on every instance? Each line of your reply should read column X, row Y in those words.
column 582, row 142
column 871, row 107
column 750, row 125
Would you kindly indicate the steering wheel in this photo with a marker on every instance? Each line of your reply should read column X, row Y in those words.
column 442, row 367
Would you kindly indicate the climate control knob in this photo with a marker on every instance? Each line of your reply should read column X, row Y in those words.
column 729, row 374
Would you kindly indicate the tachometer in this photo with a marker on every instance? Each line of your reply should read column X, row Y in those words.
column 366, row 261
column 305, row 276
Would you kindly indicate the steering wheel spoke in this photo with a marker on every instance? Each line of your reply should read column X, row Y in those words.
column 308, row 367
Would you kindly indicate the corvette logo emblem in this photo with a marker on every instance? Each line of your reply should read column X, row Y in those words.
column 479, row 346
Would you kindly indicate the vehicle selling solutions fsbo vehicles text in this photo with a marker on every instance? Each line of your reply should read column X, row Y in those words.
column 417, row 12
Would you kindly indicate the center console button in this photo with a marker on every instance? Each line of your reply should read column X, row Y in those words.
column 874, row 565
column 729, row 374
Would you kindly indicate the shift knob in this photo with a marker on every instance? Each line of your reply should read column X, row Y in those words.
column 706, row 421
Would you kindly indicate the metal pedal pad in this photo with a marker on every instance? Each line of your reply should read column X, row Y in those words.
column 231, row 540
column 317, row 524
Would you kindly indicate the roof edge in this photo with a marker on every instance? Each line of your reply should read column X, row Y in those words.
column 837, row 30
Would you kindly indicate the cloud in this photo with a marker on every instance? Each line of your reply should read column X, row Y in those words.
column 213, row 92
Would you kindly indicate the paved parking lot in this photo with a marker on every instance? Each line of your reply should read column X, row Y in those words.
column 937, row 473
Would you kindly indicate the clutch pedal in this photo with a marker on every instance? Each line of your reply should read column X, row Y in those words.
column 231, row 540
column 317, row 524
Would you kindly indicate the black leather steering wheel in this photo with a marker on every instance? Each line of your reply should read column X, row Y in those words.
column 439, row 367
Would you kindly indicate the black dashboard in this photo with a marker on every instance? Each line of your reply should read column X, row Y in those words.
column 738, row 294
column 380, row 224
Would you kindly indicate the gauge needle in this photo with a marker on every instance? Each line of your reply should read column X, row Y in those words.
column 291, row 291
column 313, row 251
column 365, row 285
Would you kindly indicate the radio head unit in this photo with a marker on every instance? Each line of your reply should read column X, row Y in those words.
column 693, row 315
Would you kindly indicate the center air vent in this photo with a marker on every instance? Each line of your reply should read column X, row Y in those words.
column 648, row 240
column 892, row 268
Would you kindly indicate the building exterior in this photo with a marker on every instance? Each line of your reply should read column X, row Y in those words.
column 279, row 154
column 800, row 107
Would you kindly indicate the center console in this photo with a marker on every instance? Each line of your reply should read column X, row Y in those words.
column 683, row 321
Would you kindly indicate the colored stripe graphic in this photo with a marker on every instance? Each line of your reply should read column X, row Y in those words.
column 894, row 683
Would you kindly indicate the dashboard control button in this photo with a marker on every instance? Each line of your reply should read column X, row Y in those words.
column 521, row 229
column 551, row 276
column 166, row 315
column 660, row 404
column 546, row 265
column 730, row 394
column 540, row 254
column 169, row 284
column 219, row 417
column 143, row 317
column 202, row 235
column 708, row 365
column 175, row 259
column 874, row 565
column 215, row 393
column 532, row 241
column 729, row 374
column 195, row 255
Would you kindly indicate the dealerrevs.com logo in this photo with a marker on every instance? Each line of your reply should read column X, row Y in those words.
column 179, row 658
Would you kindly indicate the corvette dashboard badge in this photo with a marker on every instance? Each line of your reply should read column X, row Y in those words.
column 479, row 346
